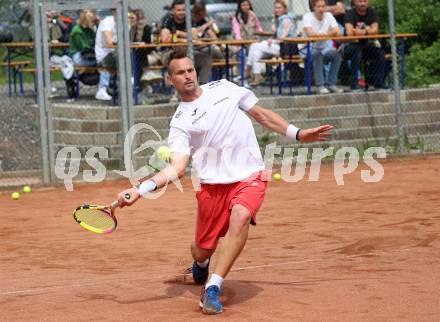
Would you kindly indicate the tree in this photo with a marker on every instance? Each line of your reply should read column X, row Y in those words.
column 422, row 18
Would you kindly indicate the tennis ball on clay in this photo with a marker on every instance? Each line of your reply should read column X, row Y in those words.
column 163, row 152
column 26, row 189
column 15, row 195
column 277, row 176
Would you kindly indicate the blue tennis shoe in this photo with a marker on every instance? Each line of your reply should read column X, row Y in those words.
column 210, row 300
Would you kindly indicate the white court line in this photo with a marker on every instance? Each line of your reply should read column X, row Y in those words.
column 165, row 277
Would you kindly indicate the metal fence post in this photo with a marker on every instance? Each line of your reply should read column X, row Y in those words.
column 40, row 92
column 395, row 75
column 125, row 43
column 188, row 19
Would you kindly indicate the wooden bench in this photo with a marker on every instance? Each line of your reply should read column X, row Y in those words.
column 281, row 61
column 219, row 67
column 33, row 70
column 222, row 63
column 16, row 63
column 217, row 63
column 156, row 67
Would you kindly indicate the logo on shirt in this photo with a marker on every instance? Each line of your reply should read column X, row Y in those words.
column 222, row 100
column 194, row 112
column 214, row 84
column 198, row 118
column 178, row 114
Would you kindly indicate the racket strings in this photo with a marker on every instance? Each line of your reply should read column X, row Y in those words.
column 95, row 218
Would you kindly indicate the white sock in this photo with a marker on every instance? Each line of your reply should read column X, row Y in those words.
column 203, row 264
column 215, row 280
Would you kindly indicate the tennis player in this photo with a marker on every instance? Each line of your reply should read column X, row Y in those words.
column 212, row 125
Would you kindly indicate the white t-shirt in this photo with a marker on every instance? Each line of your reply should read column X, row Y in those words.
column 216, row 131
column 319, row 26
column 107, row 24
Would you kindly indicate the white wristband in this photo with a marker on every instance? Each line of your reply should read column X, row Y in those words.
column 292, row 132
column 146, row 187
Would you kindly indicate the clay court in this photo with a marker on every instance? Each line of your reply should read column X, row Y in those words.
column 320, row 252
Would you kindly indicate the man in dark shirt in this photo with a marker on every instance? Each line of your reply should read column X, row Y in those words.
column 362, row 20
column 175, row 23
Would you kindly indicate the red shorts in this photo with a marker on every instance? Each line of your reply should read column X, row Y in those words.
column 215, row 202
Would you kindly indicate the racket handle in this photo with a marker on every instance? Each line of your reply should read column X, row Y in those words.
column 114, row 205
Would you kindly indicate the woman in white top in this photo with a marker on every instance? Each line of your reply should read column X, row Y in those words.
column 317, row 24
column 285, row 26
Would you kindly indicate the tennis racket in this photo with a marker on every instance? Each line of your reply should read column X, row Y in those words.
column 98, row 219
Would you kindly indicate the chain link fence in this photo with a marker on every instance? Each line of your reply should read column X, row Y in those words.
column 20, row 137
column 79, row 115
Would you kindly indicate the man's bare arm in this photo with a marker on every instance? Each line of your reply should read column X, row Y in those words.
column 175, row 170
column 108, row 38
column 274, row 122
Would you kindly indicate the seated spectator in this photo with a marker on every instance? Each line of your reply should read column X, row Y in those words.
column 284, row 26
column 359, row 21
column 82, row 40
column 140, row 31
column 59, row 27
column 173, row 25
column 105, row 55
column 205, row 28
column 321, row 23
column 245, row 22
column 337, row 9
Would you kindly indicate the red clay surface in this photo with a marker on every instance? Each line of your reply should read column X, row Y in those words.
column 320, row 252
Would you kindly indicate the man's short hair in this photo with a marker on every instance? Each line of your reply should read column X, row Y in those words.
column 177, row 2
column 198, row 7
column 313, row 3
column 176, row 53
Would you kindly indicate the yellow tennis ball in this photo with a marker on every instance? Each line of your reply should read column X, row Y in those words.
column 163, row 152
column 26, row 189
column 277, row 176
column 15, row 195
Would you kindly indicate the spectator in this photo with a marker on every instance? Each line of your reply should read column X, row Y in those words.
column 205, row 28
column 245, row 22
column 54, row 25
column 322, row 23
column 105, row 54
column 82, row 39
column 73, row 15
column 140, row 31
column 359, row 21
column 284, row 26
column 174, row 25
column 174, row 22
column 337, row 9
